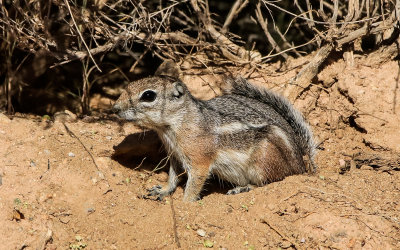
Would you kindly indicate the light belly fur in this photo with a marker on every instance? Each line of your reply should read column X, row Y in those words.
column 234, row 166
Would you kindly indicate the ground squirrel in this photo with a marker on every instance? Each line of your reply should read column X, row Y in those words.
column 249, row 136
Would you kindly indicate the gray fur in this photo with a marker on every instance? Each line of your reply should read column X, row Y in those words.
column 285, row 109
column 235, row 133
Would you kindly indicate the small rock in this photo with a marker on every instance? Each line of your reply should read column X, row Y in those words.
column 101, row 175
column 64, row 220
column 70, row 154
column 366, row 167
column 339, row 133
column 353, row 165
column 208, row 243
column 72, row 115
column 17, row 215
column 46, row 151
column 201, row 232
column 342, row 163
column 91, row 210
column 66, row 116
column 302, row 240
column 32, row 164
column 271, row 207
column 285, row 244
column 385, row 169
column 108, row 138
column 89, row 119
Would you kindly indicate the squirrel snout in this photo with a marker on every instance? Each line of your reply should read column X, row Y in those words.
column 116, row 108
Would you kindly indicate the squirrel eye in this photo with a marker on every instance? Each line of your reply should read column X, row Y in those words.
column 148, row 96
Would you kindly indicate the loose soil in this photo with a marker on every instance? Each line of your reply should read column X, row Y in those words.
column 66, row 187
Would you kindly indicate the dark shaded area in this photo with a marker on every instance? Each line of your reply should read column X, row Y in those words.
column 145, row 148
column 353, row 124
column 44, row 45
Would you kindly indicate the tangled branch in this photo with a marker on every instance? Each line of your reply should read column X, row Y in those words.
column 247, row 33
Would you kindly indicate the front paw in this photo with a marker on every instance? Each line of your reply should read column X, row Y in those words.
column 158, row 192
column 238, row 190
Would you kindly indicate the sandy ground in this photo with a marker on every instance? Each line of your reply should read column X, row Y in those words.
column 61, row 189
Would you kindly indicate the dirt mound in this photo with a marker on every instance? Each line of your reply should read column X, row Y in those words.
column 59, row 187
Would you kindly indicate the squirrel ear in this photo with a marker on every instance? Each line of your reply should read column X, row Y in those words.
column 178, row 90
column 168, row 68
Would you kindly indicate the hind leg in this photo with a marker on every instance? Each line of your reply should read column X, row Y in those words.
column 238, row 190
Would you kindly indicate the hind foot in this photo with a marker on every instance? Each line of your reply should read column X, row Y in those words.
column 238, row 190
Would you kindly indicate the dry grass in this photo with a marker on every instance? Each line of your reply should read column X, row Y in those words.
column 190, row 31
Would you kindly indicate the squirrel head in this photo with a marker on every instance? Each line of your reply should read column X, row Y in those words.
column 153, row 102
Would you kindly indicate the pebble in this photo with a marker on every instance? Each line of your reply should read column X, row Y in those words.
column 285, row 244
column 339, row 133
column 383, row 169
column 108, row 138
column 91, row 210
column 366, row 167
column 70, row 154
column 201, row 232
column 32, row 164
column 64, row 220
column 66, row 116
column 71, row 115
column 342, row 162
column 46, row 151
column 271, row 207
column 101, row 175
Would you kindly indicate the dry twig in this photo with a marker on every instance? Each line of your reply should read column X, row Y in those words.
column 80, row 35
column 174, row 224
column 72, row 134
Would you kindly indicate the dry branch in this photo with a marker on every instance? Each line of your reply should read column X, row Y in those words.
column 391, row 162
column 235, row 10
column 185, row 29
column 264, row 25
column 229, row 49
column 303, row 79
column 80, row 35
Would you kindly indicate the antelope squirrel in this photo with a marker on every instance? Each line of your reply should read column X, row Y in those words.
column 249, row 136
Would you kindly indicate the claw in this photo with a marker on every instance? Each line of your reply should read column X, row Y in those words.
column 158, row 192
column 155, row 188
column 238, row 190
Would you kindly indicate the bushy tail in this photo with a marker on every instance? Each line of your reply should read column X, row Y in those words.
column 240, row 86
